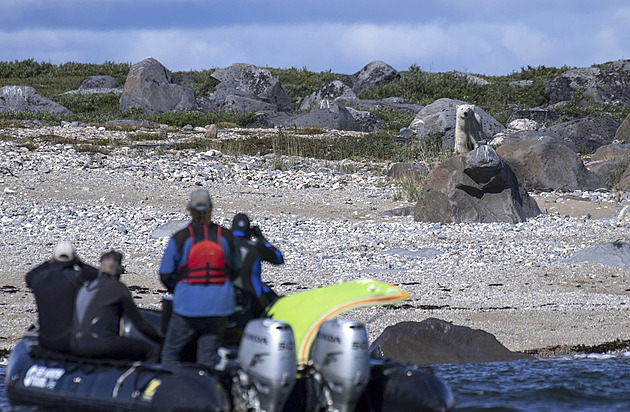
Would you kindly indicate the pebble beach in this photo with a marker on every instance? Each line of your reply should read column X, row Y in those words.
column 333, row 221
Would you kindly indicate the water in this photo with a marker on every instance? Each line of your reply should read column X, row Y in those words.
column 571, row 383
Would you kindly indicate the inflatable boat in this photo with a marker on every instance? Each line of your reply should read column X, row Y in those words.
column 265, row 372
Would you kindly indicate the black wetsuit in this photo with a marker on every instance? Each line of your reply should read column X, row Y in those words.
column 253, row 295
column 55, row 285
column 100, row 305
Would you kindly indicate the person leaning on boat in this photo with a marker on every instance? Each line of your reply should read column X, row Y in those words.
column 198, row 267
column 100, row 305
column 55, row 284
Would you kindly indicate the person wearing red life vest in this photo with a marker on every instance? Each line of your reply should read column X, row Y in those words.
column 198, row 266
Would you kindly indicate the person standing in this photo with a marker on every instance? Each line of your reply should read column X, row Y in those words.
column 253, row 296
column 55, row 284
column 254, row 250
column 100, row 306
column 198, row 266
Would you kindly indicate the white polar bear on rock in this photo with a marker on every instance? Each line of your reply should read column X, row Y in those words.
column 468, row 129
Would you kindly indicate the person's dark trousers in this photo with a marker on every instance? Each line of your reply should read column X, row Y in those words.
column 207, row 331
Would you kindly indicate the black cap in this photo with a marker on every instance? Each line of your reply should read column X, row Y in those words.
column 240, row 224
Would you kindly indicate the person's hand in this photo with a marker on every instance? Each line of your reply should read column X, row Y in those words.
column 256, row 232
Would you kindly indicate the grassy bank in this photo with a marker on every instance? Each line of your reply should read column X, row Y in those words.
column 498, row 98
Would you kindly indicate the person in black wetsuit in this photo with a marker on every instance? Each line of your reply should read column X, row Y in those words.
column 55, row 284
column 255, row 296
column 100, row 305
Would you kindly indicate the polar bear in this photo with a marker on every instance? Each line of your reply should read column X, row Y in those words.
column 468, row 130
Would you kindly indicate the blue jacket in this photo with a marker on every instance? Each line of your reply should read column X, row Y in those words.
column 200, row 300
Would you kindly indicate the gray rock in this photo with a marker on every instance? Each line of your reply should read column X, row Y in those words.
column 366, row 120
column 99, row 82
column 610, row 171
column 623, row 131
column 328, row 115
column 372, row 75
column 587, row 133
column 257, row 89
column 434, row 341
column 328, row 91
column 471, row 78
column 612, row 151
column 27, row 99
column 615, row 254
column 168, row 229
column 438, row 118
column 545, row 164
column 596, row 83
column 477, row 186
column 408, row 171
column 393, row 103
column 154, row 89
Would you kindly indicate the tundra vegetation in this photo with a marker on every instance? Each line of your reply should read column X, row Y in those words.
column 416, row 85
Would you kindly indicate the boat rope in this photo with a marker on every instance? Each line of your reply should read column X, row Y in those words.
column 124, row 376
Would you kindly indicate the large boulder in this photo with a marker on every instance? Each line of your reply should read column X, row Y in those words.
column 624, row 183
column 545, row 164
column 476, row 187
column 616, row 254
column 27, row 99
column 348, row 87
column 99, row 82
column 327, row 91
column 154, row 89
column 372, row 75
column 623, row 131
column 587, row 133
column 607, row 83
column 245, row 87
column 434, row 341
column 326, row 114
column 437, row 120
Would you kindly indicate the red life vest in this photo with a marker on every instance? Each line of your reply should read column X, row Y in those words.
column 206, row 263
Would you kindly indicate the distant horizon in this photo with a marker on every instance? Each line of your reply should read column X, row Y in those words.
column 301, row 68
column 487, row 37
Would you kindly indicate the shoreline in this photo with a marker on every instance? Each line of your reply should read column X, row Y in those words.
column 505, row 279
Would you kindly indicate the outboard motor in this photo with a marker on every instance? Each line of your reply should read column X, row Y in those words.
column 268, row 368
column 340, row 360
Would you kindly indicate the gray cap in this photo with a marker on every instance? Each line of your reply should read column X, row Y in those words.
column 200, row 200
column 64, row 252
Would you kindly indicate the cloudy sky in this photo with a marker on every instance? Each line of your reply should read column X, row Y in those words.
column 492, row 37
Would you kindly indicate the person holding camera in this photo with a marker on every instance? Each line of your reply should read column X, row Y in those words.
column 255, row 249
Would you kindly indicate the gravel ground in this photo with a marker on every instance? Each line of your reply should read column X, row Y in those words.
column 331, row 221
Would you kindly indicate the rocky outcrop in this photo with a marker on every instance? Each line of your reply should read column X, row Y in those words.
column 328, row 91
column 27, row 99
column 476, row 187
column 587, row 133
column 99, row 82
column 348, row 87
column 245, row 87
column 152, row 88
column 607, row 83
column 545, row 164
column 434, row 341
column 437, row 121
column 623, row 131
column 326, row 114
